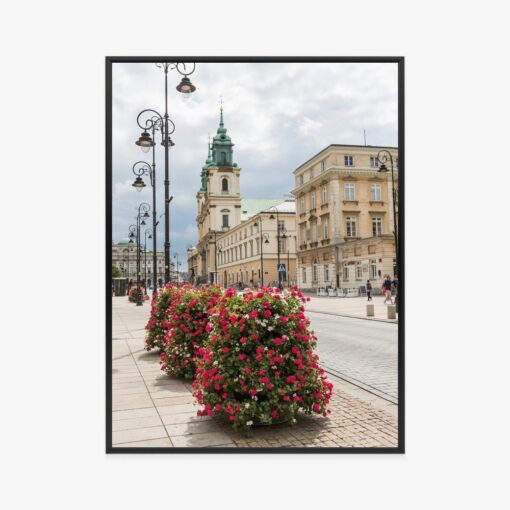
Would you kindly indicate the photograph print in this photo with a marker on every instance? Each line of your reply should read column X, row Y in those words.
column 255, row 269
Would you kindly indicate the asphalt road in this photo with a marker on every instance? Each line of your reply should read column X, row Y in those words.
column 361, row 351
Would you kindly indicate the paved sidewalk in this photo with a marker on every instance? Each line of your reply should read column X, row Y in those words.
column 151, row 409
column 349, row 307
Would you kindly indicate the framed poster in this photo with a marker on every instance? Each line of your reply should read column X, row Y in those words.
column 255, row 264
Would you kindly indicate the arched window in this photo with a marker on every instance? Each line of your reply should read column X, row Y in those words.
column 224, row 184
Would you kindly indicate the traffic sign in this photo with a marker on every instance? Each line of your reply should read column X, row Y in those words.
column 281, row 268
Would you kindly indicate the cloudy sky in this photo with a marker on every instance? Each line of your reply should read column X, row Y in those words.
column 278, row 115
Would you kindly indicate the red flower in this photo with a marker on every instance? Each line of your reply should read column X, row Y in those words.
column 267, row 313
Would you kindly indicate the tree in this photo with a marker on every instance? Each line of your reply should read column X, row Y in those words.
column 116, row 273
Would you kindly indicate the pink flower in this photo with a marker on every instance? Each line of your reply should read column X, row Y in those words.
column 243, row 340
column 242, row 356
column 224, row 395
column 264, row 380
column 208, row 327
column 252, row 392
column 267, row 313
column 316, row 408
column 247, row 370
column 225, row 349
column 291, row 379
column 284, row 319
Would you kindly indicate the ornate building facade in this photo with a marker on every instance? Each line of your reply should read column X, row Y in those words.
column 124, row 257
column 344, row 218
column 232, row 231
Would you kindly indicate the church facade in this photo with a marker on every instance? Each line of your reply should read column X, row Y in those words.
column 225, row 220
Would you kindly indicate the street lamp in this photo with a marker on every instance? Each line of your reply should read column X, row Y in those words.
column 177, row 264
column 212, row 237
column 384, row 157
column 147, row 234
column 141, row 168
column 281, row 233
column 134, row 233
column 156, row 121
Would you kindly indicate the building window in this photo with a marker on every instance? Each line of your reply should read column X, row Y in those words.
column 326, row 272
column 282, row 243
column 346, row 273
column 304, row 275
column 311, row 173
column 312, row 200
column 251, row 248
column 303, row 234
column 359, row 270
column 350, row 191
column 224, row 185
column 348, row 161
column 224, row 222
column 351, row 226
column 374, row 161
column 324, row 195
column 325, row 229
column 301, row 180
column 257, row 248
column 375, row 192
column 376, row 226
column 314, row 271
column 373, row 268
column 323, row 166
column 302, row 207
column 314, row 232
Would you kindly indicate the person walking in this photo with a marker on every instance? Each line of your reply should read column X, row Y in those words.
column 387, row 289
column 369, row 291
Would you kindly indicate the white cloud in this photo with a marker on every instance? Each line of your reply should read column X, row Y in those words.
column 278, row 115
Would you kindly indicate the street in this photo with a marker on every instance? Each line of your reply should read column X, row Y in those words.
column 153, row 409
column 359, row 350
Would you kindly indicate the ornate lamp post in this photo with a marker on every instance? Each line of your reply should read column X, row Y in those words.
column 177, row 264
column 384, row 157
column 280, row 234
column 134, row 233
column 264, row 239
column 155, row 121
column 212, row 237
column 147, row 234
column 143, row 168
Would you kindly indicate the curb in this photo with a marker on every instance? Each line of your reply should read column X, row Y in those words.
column 389, row 321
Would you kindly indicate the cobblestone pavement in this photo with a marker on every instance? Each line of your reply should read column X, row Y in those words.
column 361, row 351
column 151, row 409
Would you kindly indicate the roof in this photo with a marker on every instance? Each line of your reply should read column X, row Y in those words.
column 124, row 241
column 252, row 206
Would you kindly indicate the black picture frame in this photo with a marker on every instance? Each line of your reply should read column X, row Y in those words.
column 109, row 61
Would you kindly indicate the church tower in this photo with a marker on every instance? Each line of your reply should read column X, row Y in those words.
column 219, row 198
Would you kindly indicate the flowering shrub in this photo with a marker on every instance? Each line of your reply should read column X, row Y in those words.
column 188, row 318
column 158, row 325
column 132, row 294
column 257, row 365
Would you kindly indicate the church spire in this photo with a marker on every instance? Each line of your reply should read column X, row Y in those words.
column 222, row 146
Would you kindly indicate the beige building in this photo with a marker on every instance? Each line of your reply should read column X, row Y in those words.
column 232, row 231
column 124, row 257
column 344, row 215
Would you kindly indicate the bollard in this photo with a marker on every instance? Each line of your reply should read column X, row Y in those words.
column 370, row 310
column 392, row 312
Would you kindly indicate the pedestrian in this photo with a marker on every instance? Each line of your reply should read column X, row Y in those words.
column 369, row 291
column 386, row 287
